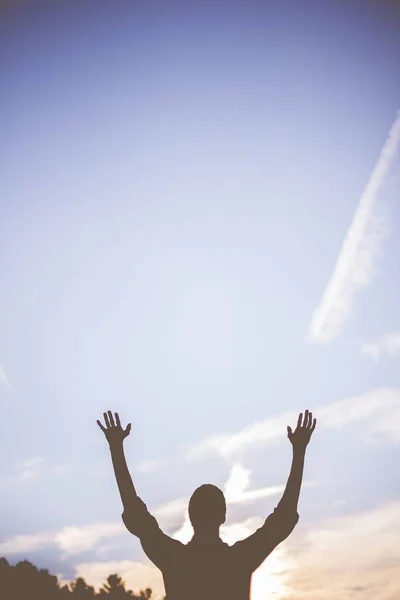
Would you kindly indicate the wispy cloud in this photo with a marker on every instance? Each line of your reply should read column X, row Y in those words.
column 336, row 559
column 378, row 410
column 355, row 265
column 71, row 540
column 388, row 344
column 75, row 540
column 228, row 445
column 32, row 468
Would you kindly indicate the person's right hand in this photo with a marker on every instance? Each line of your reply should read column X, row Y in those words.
column 300, row 437
column 113, row 430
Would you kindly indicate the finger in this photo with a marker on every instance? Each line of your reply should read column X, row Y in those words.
column 101, row 426
column 314, row 425
column 128, row 429
column 310, row 420
column 111, row 418
column 289, row 432
column 299, row 420
column 117, row 420
column 107, row 422
column 305, row 422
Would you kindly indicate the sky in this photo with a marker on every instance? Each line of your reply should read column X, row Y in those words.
column 200, row 230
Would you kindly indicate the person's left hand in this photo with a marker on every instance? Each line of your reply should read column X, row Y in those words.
column 300, row 437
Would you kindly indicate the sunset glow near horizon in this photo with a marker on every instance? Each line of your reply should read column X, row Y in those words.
column 199, row 229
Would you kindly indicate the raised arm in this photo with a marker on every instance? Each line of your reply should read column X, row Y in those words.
column 299, row 438
column 137, row 519
column 115, row 436
column 279, row 525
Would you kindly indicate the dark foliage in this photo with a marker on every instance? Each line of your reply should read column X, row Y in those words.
column 24, row 581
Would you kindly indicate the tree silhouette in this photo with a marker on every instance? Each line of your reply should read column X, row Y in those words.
column 18, row 582
column 65, row 593
column 115, row 588
column 5, row 579
column 81, row 590
column 24, row 581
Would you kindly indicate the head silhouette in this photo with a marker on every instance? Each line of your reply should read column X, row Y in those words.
column 207, row 508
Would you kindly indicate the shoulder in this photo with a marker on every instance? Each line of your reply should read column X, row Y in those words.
column 165, row 542
column 138, row 520
column 282, row 517
column 276, row 528
column 278, row 525
column 162, row 550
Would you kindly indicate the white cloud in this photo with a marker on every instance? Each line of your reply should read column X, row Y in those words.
column 169, row 511
column 32, row 468
column 72, row 540
column 378, row 410
column 75, row 540
column 355, row 265
column 26, row 543
column 236, row 488
column 387, row 344
column 237, row 483
column 257, row 434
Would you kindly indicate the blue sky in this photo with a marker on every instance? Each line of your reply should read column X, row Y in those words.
column 179, row 185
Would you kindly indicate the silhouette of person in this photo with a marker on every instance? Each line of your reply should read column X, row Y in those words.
column 207, row 567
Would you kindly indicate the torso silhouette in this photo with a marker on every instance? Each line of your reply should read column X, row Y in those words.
column 207, row 569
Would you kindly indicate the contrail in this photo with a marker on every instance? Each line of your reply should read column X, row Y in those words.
column 355, row 265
